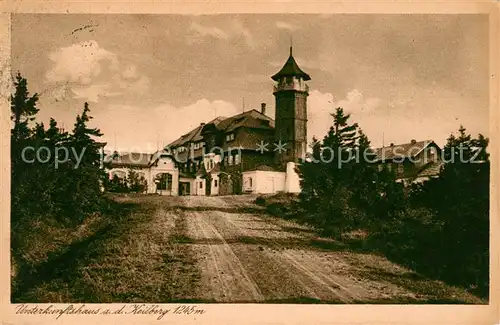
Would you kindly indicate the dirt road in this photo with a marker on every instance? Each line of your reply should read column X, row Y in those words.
column 227, row 249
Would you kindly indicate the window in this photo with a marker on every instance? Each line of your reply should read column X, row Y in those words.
column 389, row 167
column 380, row 167
column 230, row 137
column 201, row 184
column 215, row 183
column 198, row 145
column 230, row 160
column 430, row 155
column 164, row 182
column 237, row 159
column 250, row 182
column 400, row 168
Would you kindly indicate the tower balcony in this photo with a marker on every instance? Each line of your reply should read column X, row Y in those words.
column 295, row 84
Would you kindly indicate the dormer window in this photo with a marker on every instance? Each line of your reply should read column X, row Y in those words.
column 198, row 145
column 230, row 137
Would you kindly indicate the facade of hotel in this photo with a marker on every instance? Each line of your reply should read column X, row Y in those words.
column 246, row 153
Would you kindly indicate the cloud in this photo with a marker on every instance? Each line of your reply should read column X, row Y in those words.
column 319, row 108
column 57, row 93
column 79, row 63
column 321, row 105
column 87, row 71
column 233, row 30
column 137, row 85
column 242, row 31
column 130, row 72
column 355, row 102
column 287, row 26
column 93, row 93
column 208, row 31
column 149, row 127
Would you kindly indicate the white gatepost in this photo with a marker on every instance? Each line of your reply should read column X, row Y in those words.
column 292, row 180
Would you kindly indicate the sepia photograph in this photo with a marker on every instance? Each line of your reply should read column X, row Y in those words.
column 249, row 158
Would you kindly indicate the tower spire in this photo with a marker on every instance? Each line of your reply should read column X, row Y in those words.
column 291, row 44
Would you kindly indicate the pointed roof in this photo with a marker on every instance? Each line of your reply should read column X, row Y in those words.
column 291, row 68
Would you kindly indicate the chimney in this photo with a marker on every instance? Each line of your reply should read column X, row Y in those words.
column 413, row 141
column 201, row 124
column 263, row 108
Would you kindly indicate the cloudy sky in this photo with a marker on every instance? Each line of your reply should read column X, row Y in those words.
column 151, row 78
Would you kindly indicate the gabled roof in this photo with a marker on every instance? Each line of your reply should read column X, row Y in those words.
column 250, row 119
column 405, row 150
column 291, row 68
column 193, row 135
column 135, row 159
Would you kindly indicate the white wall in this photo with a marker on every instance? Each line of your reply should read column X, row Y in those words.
column 249, row 180
column 199, row 190
column 292, row 179
column 214, row 190
column 165, row 165
column 263, row 181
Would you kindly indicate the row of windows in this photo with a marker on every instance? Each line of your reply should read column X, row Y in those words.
column 230, row 160
column 199, row 145
column 196, row 146
column 400, row 168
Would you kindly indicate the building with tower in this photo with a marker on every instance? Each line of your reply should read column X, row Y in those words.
column 290, row 92
column 246, row 153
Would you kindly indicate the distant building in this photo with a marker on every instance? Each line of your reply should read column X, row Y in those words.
column 416, row 161
column 246, row 153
